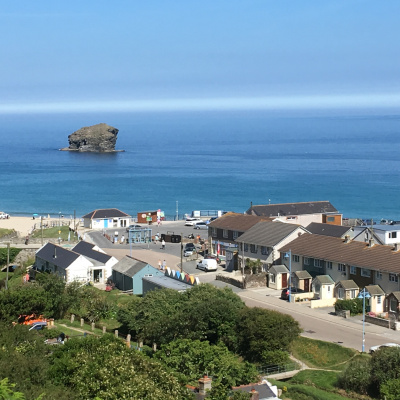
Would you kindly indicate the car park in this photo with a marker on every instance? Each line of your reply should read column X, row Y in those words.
column 192, row 221
column 133, row 227
column 208, row 264
column 201, row 225
column 382, row 346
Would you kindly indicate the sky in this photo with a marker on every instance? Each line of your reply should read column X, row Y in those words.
column 188, row 54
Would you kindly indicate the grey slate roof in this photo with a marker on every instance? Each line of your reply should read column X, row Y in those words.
column 328, row 229
column 167, row 282
column 106, row 213
column 279, row 269
column 311, row 207
column 57, row 255
column 375, row 290
column 348, row 284
column 303, row 274
column 324, row 279
column 86, row 249
column 264, row 391
column 267, row 233
column 129, row 266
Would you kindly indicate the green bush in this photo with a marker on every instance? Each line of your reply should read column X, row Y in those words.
column 357, row 376
column 355, row 306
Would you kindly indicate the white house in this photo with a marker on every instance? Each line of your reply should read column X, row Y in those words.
column 106, row 218
column 382, row 234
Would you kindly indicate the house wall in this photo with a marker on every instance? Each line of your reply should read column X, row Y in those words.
column 387, row 285
column 360, row 280
column 374, row 306
column 148, row 270
column 43, row 265
column 79, row 270
column 326, row 291
column 332, row 219
column 278, row 281
column 122, row 282
column 302, row 220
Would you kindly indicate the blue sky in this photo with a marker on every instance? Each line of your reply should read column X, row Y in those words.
column 91, row 55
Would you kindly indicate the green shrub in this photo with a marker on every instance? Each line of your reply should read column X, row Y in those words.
column 355, row 306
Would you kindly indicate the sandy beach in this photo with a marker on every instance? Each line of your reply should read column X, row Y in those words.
column 24, row 225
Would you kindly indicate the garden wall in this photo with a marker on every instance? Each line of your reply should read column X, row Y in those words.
column 322, row 303
column 378, row 321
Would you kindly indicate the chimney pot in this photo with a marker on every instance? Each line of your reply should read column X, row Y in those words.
column 371, row 242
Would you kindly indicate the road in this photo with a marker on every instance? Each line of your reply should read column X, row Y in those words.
column 315, row 323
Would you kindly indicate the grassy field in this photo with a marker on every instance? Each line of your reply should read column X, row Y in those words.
column 56, row 232
column 5, row 232
column 319, row 354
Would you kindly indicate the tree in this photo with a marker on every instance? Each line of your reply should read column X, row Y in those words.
column 357, row 376
column 262, row 331
column 105, row 368
column 390, row 390
column 191, row 359
column 385, row 365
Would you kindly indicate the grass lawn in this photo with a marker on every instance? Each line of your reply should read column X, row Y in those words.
column 53, row 233
column 5, row 232
column 319, row 354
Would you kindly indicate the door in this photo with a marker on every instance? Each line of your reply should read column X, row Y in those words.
column 106, row 223
column 306, row 285
column 284, row 281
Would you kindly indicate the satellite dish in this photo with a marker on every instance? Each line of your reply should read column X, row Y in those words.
column 143, row 215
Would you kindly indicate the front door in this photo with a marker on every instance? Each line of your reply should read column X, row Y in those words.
column 306, row 285
column 98, row 276
column 284, row 281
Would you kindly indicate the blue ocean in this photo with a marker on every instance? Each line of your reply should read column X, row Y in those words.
column 216, row 160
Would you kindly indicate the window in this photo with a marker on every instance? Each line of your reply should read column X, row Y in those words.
column 225, row 233
column 340, row 293
column 264, row 250
column 341, row 267
column 330, row 219
column 378, row 299
column 253, row 248
column 329, row 288
column 329, row 265
column 392, row 235
column 352, row 293
column 272, row 278
column 378, row 275
column 318, row 263
column 246, row 247
column 306, row 261
column 235, row 234
column 214, row 231
column 393, row 278
column 148, row 275
column 365, row 272
column 295, row 258
column 353, row 270
column 393, row 305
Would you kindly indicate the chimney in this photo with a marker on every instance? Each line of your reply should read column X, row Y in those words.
column 396, row 247
column 204, row 384
column 371, row 242
column 347, row 239
column 254, row 394
column 55, row 252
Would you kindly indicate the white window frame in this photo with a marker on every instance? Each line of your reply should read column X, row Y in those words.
column 253, row 248
column 214, row 232
column 225, row 233
column 306, row 260
column 246, row 247
column 393, row 235
column 393, row 278
column 329, row 265
column 318, row 263
column 353, row 270
column 264, row 250
column 341, row 267
column 366, row 272
column 352, row 293
column 341, row 293
column 295, row 258
column 378, row 275
column 235, row 234
column 272, row 278
column 378, row 299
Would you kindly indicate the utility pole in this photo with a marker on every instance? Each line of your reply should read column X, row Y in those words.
column 8, row 262
column 181, row 252
column 41, row 227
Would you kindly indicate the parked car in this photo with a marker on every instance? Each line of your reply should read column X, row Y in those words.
column 192, row 221
column 208, row 264
column 293, row 290
column 133, row 227
column 188, row 252
column 38, row 326
column 381, row 346
column 4, row 215
column 190, row 247
column 201, row 225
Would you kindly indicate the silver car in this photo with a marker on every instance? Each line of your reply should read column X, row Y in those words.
column 201, row 225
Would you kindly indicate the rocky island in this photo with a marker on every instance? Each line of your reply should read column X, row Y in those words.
column 100, row 138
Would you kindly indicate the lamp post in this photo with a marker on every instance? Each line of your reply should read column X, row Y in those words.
column 289, row 256
column 8, row 263
column 363, row 295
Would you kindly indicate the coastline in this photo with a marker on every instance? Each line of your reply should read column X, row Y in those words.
column 24, row 225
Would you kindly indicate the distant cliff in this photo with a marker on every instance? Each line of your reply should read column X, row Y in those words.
column 100, row 138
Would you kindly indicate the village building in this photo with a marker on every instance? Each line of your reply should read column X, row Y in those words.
column 106, row 218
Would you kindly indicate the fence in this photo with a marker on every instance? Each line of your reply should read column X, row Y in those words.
column 277, row 369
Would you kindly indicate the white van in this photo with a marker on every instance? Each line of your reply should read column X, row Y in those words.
column 208, row 264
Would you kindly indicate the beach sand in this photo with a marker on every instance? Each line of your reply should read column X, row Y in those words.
column 23, row 225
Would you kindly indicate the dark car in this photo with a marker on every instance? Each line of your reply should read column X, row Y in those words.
column 293, row 290
column 190, row 247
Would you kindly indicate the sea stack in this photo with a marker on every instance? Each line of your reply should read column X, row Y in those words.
column 100, row 138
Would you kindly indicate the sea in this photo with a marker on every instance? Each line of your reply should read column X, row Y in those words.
column 203, row 160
